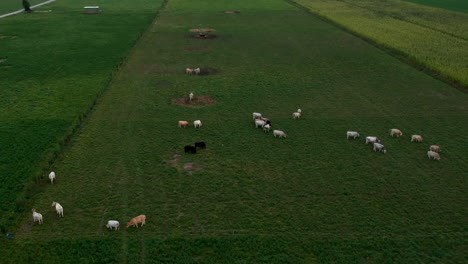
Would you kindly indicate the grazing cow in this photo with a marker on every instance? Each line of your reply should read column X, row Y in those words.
column 188, row 71
column 379, row 147
column 352, row 134
column 37, row 217
column 190, row 96
column 52, row 177
column 197, row 123
column 58, row 208
column 197, row 71
column 279, row 133
column 433, row 154
column 137, row 220
column 200, row 144
column 183, row 124
column 256, row 115
column 396, row 132
column 372, row 140
column 266, row 128
column 190, row 149
column 296, row 115
column 416, row 138
column 113, row 224
column 259, row 123
column 435, row 148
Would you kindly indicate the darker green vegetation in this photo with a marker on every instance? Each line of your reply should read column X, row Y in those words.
column 455, row 5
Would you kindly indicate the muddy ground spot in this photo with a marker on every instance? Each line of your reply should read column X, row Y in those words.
column 198, row 101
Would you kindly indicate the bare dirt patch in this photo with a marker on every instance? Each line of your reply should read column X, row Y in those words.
column 197, row 48
column 231, row 12
column 207, row 71
column 203, row 36
column 198, row 101
column 191, row 167
column 202, row 30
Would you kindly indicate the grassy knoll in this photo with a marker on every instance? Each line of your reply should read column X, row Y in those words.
column 7, row 6
column 56, row 64
column 454, row 5
column 432, row 37
column 314, row 197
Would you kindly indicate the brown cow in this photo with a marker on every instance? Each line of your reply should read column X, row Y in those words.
column 137, row 220
column 183, row 124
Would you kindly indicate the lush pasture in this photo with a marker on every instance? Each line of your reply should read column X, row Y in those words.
column 314, row 197
column 7, row 6
column 56, row 64
column 455, row 5
column 432, row 37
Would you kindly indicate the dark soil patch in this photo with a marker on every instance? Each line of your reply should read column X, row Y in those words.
column 202, row 30
column 163, row 83
column 231, row 12
column 203, row 36
column 207, row 71
column 196, row 48
column 198, row 101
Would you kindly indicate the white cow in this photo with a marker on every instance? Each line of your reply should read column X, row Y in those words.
column 58, row 208
column 37, row 217
column 435, row 148
column 259, row 123
column 113, row 224
column 416, row 138
column 197, row 123
column 188, row 71
column 296, row 115
column 299, row 110
column 433, row 154
column 256, row 115
column 266, row 128
column 190, row 96
column 372, row 140
column 396, row 132
column 352, row 134
column 52, row 177
column 197, row 71
column 279, row 133
column 379, row 147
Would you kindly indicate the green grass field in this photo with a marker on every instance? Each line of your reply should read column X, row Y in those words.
column 7, row 6
column 314, row 197
column 430, row 37
column 56, row 65
column 454, row 5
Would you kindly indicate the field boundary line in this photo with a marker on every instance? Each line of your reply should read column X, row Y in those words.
column 398, row 54
column 22, row 10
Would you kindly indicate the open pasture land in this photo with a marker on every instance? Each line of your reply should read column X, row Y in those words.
column 433, row 38
column 454, row 5
column 7, row 6
column 314, row 197
column 52, row 67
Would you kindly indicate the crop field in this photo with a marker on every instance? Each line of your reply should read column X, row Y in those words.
column 313, row 197
column 52, row 67
column 433, row 38
column 454, row 5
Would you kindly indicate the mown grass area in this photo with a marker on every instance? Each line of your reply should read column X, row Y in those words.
column 454, row 5
column 7, row 6
column 314, row 197
column 434, row 38
column 53, row 67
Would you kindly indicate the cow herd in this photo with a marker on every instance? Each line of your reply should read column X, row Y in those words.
column 265, row 123
column 111, row 224
column 433, row 152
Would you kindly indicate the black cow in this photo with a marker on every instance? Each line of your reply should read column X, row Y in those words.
column 200, row 144
column 190, row 149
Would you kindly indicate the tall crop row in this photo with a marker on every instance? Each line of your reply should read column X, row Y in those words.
column 431, row 37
